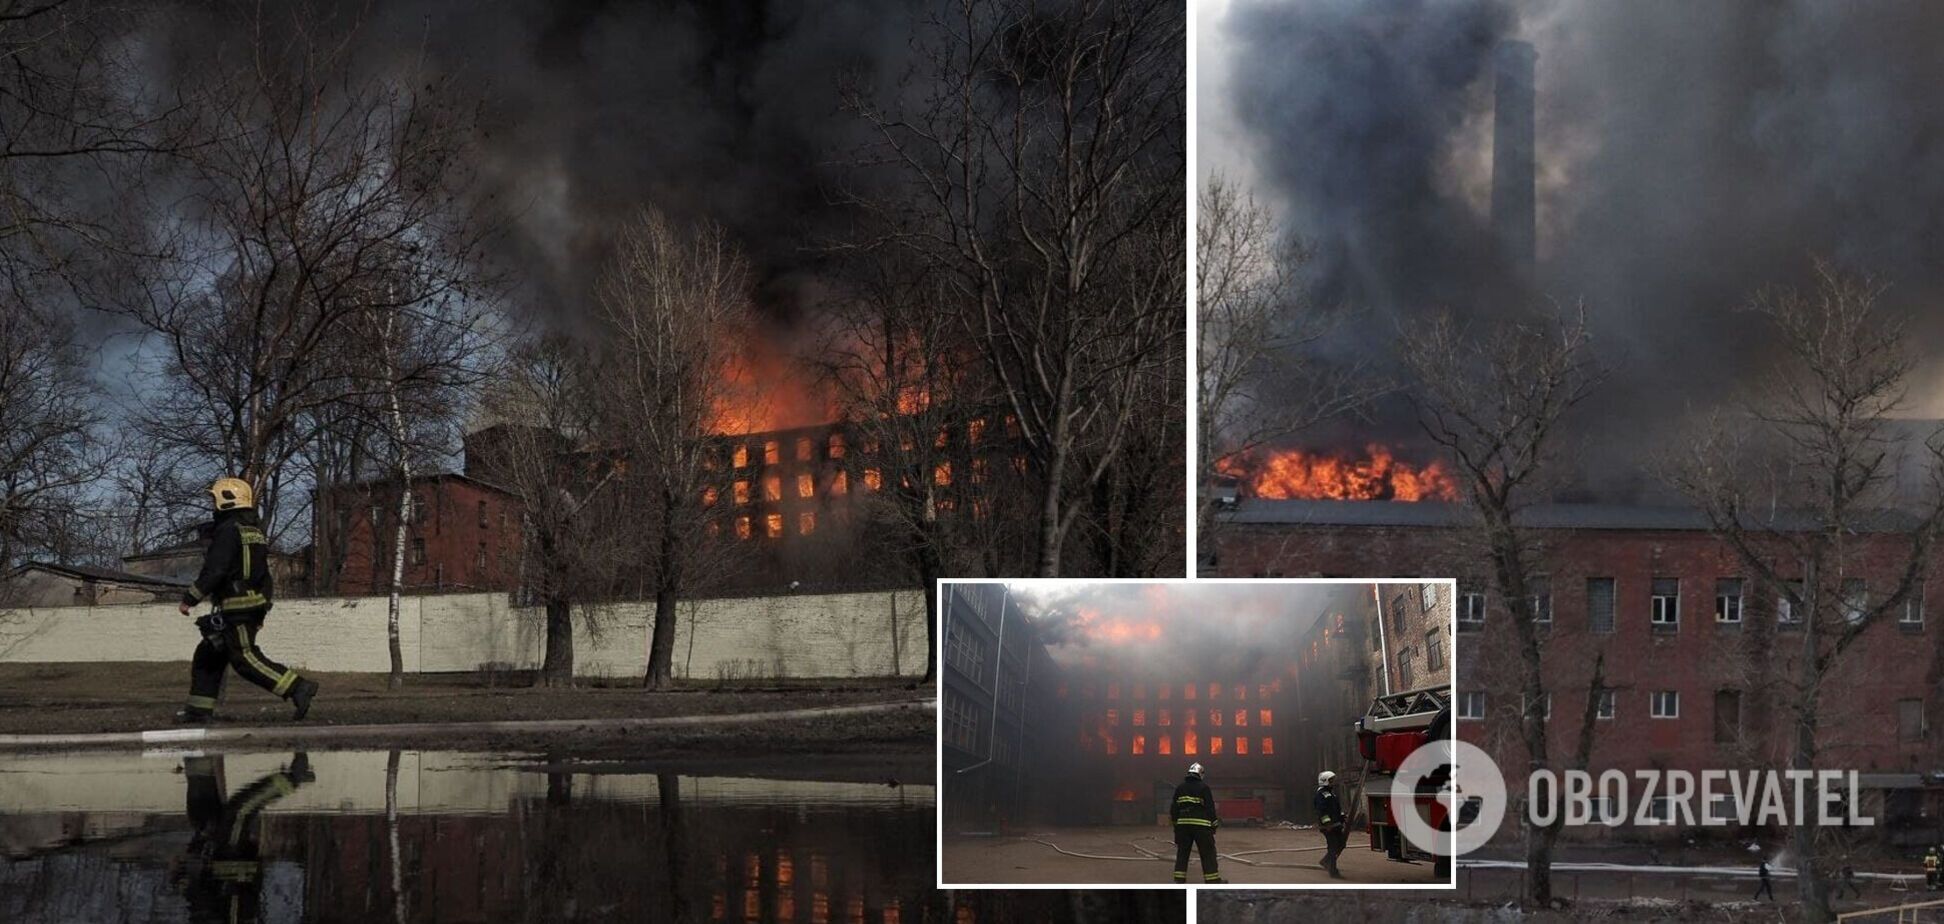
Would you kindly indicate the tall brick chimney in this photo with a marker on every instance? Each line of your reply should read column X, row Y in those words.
column 1512, row 159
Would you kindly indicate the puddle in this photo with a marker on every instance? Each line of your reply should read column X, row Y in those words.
column 421, row 835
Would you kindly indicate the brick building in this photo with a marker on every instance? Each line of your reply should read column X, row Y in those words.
column 1394, row 636
column 1693, row 654
column 994, row 685
column 465, row 535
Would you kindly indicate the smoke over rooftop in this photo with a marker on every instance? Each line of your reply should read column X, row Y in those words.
column 1686, row 156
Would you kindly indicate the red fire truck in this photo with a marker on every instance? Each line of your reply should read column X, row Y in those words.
column 1396, row 725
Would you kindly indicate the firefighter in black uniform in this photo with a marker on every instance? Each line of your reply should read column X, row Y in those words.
column 235, row 579
column 221, row 871
column 1329, row 818
column 1195, row 821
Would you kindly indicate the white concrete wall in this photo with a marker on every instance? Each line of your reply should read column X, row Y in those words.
column 835, row 635
column 354, row 781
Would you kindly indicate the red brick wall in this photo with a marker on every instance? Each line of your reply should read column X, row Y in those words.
column 447, row 519
column 1887, row 664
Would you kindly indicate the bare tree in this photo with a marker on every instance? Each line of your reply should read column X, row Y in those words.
column 1258, row 381
column 1494, row 404
column 543, row 402
column 313, row 182
column 908, row 387
column 1029, row 151
column 670, row 308
column 52, row 448
column 1806, row 525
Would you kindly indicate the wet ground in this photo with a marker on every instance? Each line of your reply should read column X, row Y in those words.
column 1145, row 855
column 449, row 836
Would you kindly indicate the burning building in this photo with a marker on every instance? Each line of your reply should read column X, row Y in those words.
column 1691, row 650
column 1129, row 684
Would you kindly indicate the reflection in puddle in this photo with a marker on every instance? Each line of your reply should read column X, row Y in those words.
column 409, row 836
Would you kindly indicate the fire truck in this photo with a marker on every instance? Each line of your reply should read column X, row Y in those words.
column 1395, row 725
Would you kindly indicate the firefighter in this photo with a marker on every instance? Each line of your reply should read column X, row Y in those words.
column 1195, row 821
column 220, row 872
column 1933, row 868
column 1329, row 818
column 236, row 581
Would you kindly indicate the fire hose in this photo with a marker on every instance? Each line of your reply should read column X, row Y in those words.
column 1151, row 855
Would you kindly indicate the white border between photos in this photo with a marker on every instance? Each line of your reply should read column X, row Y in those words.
column 938, row 743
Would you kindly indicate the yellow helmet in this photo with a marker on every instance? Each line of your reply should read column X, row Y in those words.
column 231, row 493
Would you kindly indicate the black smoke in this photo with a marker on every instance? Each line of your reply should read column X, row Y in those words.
column 1689, row 155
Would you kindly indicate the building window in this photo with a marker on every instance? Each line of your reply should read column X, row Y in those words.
column 1666, row 704
column 741, row 457
column 1405, row 680
column 1913, row 608
column 1113, row 717
column 1471, row 610
column 1397, row 612
column 772, row 452
column 1599, row 604
column 482, row 515
column 1241, row 718
column 1268, row 747
column 1215, row 717
column 1433, row 652
column 942, row 475
column 1241, row 745
column 743, row 530
column 806, row 485
column 1856, row 600
column 1471, row 704
column 773, row 487
column 840, row 483
column 1665, row 602
column 805, row 449
column 1140, row 745
column 479, row 562
column 418, row 551
column 1428, row 597
column 1603, row 709
column 773, row 525
column 1140, row 717
column 1539, row 600
column 1785, row 612
column 1728, row 600
column 742, row 492
column 1165, row 744
column 1910, row 720
column 806, row 523
column 966, row 653
column 834, row 447
column 980, row 471
column 961, row 722
column 1215, row 745
column 873, row 480
column 975, row 431
column 1727, row 716
column 1264, row 717
column 1544, row 707
column 1163, row 716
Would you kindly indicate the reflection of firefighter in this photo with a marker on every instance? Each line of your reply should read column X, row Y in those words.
column 1329, row 818
column 220, row 873
column 235, row 578
column 1933, row 868
column 1195, row 821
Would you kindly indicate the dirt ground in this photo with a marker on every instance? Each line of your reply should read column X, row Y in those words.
column 1023, row 860
column 123, row 697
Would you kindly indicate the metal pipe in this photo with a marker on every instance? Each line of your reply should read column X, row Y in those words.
column 1383, row 644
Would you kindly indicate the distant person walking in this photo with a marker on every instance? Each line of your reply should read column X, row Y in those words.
column 1767, row 887
column 1849, row 882
column 1933, row 868
column 1195, row 821
column 1329, row 818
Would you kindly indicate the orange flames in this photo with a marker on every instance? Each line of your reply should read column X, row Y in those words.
column 1102, row 628
column 762, row 388
column 1293, row 474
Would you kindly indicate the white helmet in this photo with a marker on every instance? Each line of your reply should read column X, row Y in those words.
column 1324, row 778
column 1194, row 769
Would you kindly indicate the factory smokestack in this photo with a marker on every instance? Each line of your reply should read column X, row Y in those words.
column 1512, row 164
